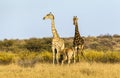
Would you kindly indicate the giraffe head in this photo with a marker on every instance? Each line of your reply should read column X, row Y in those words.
column 75, row 19
column 49, row 16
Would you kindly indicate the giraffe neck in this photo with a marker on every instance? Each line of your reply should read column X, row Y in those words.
column 77, row 30
column 54, row 31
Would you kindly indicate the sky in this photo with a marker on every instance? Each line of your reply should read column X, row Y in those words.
column 23, row 19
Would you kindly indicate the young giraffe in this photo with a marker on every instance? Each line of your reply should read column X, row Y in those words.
column 66, row 54
column 57, row 42
column 78, row 42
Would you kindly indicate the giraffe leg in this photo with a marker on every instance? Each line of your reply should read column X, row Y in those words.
column 64, row 59
column 57, row 58
column 78, row 51
column 53, row 50
column 81, row 50
column 74, row 56
column 75, row 51
column 69, row 61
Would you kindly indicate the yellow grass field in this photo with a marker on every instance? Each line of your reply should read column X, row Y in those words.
column 79, row 70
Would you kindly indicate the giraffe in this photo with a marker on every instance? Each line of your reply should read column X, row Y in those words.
column 57, row 42
column 66, row 54
column 78, row 41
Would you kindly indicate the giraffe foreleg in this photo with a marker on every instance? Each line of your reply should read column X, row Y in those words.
column 64, row 59
column 74, row 54
column 53, row 50
column 57, row 56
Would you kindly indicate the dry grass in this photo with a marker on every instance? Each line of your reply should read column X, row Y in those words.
column 79, row 70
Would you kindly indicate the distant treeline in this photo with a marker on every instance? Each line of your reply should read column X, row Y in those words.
column 98, row 43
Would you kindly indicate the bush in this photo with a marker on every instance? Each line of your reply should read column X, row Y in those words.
column 110, row 57
column 6, row 58
column 27, row 59
column 44, row 56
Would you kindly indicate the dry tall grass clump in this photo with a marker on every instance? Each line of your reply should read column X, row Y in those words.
column 79, row 70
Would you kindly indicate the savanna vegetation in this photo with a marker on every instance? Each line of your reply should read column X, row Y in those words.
column 32, row 58
column 27, row 52
column 99, row 43
column 47, row 70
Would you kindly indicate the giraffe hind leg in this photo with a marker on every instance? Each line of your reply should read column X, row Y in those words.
column 81, row 51
column 82, row 47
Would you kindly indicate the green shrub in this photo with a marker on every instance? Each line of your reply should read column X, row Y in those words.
column 112, row 57
column 6, row 57
column 101, row 56
column 31, row 58
column 45, row 56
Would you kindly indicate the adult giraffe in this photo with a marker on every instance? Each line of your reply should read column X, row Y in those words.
column 78, row 41
column 57, row 42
